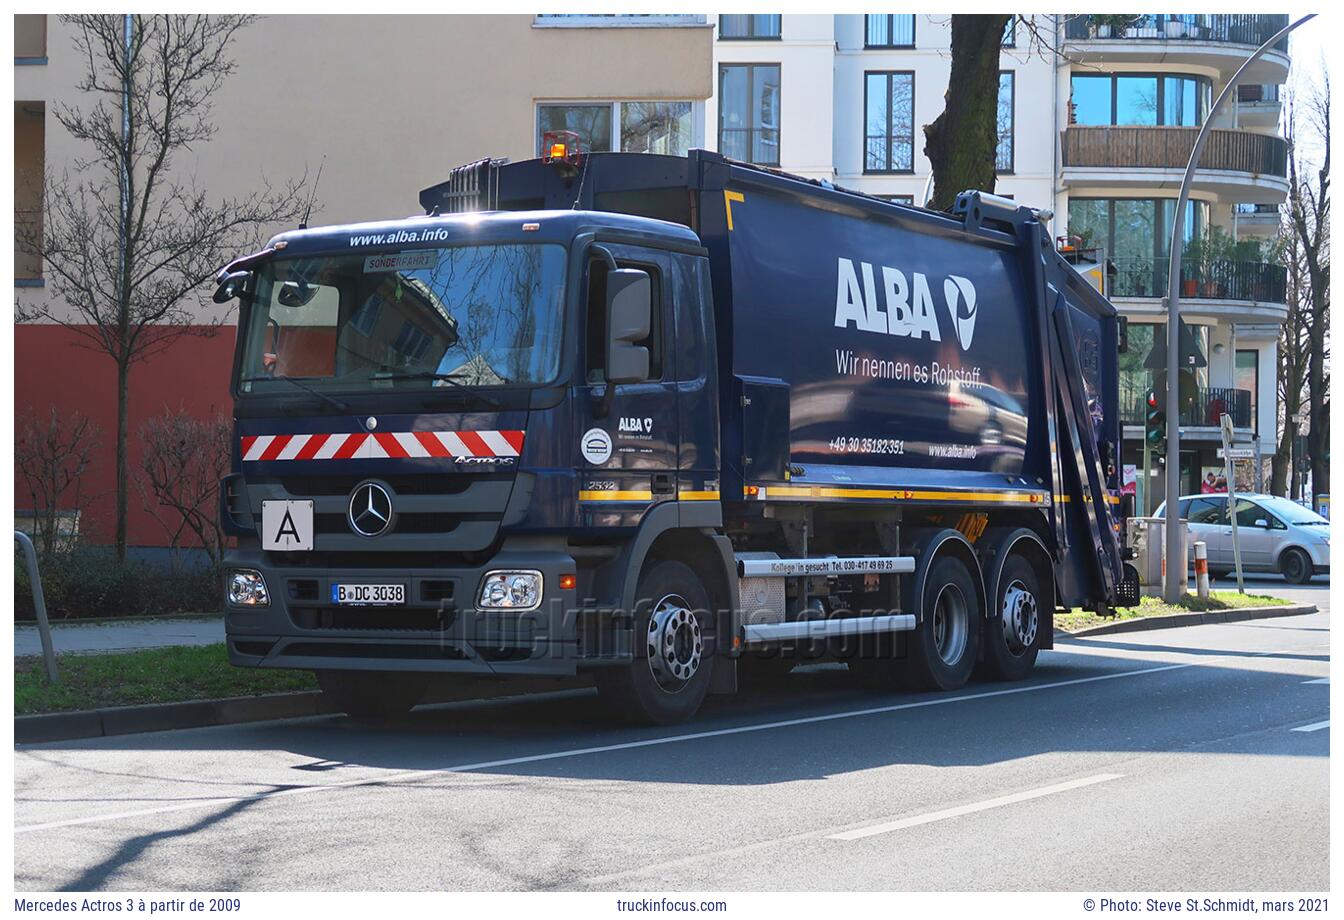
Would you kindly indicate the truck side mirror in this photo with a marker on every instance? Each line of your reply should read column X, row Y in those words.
column 629, row 315
column 230, row 287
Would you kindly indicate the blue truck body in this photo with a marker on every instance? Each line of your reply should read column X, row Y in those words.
column 852, row 413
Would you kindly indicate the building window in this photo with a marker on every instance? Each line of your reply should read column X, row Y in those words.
column 1139, row 99
column 1133, row 233
column 1003, row 151
column 30, row 38
column 897, row 199
column 1010, row 33
column 592, row 123
column 1246, row 376
column 656, row 127
column 644, row 127
column 889, row 122
column 749, row 112
column 29, row 162
column 749, row 27
column 888, row 31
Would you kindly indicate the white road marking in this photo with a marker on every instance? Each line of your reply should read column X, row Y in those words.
column 1319, row 680
column 946, row 813
column 1313, row 727
column 632, row 745
column 600, row 749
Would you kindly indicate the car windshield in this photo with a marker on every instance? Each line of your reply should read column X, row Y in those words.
column 1292, row 512
column 477, row 316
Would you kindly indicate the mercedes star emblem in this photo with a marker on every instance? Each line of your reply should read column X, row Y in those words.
column 370, row 511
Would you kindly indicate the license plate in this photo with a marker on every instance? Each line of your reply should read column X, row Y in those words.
column 368, row 595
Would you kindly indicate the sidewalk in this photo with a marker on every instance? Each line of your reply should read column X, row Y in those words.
column 123, row 636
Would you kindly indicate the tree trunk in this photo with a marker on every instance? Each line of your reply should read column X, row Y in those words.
column 123, row 465
column 961, row 142
column 1318, row 405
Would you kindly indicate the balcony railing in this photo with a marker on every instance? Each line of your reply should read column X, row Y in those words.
column 1258, row 92
column 1128, row 147
column 1219, row 280
column 1236, row 28
column 1202, row 407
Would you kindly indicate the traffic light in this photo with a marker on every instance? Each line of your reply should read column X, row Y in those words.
column 1154, row 424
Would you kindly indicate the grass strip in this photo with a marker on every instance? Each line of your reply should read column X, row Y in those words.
column 157, row 675
column 1078, row 618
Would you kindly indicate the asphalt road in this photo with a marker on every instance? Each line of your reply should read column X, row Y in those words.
column 1184, row 759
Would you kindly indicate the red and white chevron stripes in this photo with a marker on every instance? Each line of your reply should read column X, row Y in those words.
column 382, row 445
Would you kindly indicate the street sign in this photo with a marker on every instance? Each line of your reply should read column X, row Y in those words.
column 1236, row 453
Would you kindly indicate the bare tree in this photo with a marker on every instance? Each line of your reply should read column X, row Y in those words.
column 962, row 141
column 184, row 460
column 1292, row 366
column 52, row 454
column 126, row 243
column 1309, row 224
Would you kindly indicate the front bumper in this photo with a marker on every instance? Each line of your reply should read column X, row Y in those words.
column 439, row 628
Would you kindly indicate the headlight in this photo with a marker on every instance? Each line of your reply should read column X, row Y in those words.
column 511, row 590
column 248, row 589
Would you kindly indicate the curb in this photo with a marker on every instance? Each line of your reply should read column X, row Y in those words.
column 156, row 717
column 1143, row 624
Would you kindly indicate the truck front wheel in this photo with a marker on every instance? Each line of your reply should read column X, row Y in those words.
column 373, row 695
column 673, row 656
column 1012, row 637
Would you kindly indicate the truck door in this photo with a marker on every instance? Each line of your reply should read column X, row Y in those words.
column 627, row 440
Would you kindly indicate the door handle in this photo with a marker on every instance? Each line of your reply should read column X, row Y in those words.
column 662, row 484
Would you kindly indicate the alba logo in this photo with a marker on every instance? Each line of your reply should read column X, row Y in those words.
column 955, row 288
column 909, row 304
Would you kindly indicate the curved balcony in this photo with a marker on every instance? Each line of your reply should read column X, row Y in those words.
column 1218, row 41
column 1238, row 292
column 1236, row 165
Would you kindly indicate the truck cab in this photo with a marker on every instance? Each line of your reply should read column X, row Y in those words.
column 420, row 408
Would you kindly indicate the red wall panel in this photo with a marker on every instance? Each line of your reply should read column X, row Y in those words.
column 53, row 368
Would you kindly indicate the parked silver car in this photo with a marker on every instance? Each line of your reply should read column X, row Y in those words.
column 1276, row 535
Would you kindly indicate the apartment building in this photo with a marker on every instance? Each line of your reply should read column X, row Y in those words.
column 385, row 105
column 1097, row 115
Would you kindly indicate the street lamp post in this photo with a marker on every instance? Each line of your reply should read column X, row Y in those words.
column 1171, row 586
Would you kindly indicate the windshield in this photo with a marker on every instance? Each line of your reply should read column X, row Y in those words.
column 479, row 316
column 1292, row 512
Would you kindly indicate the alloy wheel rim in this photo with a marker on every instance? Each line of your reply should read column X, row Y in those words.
column 675, row 643
column 1020, row 617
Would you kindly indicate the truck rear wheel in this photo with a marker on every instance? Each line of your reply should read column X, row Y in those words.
column 669, row 676
column 940, row 653
column 373, row 695
column 1012, row 637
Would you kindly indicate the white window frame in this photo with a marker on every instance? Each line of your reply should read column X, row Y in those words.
column 697, row 118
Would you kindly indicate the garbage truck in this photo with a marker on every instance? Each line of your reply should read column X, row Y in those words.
column 674, row 424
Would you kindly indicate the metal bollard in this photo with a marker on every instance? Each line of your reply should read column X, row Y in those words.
column 1202, row 569
column 39, row 605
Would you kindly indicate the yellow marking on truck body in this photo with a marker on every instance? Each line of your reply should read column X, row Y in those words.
column 615, row 495
column 1009, row 497
column 728, row 199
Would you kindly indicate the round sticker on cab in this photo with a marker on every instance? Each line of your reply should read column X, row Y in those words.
column 596, row 446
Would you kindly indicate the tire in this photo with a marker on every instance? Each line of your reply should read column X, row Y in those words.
column 1012, row 633
column 941, row 652
column 1295, row 566
column 375, row 696
column 669, row 676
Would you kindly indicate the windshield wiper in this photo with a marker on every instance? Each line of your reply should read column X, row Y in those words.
column 302, row 386
column 445, row 378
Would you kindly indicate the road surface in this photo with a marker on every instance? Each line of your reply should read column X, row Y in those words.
column 1182, row 759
